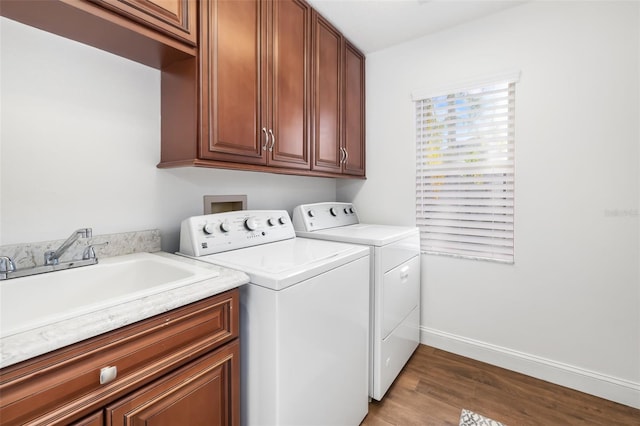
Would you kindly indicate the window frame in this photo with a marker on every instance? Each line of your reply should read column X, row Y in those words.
column 462, row 178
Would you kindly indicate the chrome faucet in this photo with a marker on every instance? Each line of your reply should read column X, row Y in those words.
column 52, row 263
column 52, row 257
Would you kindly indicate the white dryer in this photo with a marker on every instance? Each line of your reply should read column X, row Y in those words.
column 395, row 282
column 304, row 320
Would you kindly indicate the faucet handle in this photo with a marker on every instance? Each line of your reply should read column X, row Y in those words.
column 49, row 259
column 7, row 264
column 90, row 253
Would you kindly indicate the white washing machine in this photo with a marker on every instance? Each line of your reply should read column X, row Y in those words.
column 395, row 282
column 304, row 321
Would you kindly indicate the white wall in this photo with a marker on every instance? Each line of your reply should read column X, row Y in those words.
column 568, row 310
column 79, row 144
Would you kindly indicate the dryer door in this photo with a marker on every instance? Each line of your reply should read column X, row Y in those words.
column 400, row 294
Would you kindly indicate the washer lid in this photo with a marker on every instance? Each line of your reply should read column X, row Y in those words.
column 285, row 263
column 363, row 233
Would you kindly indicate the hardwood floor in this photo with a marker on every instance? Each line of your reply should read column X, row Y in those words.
column 436, row 385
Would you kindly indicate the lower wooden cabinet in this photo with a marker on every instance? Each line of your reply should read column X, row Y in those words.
column 204, row 392
column 95, row 419
column 183, row 364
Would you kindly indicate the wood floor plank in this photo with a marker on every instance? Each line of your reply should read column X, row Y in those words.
column 435, row 386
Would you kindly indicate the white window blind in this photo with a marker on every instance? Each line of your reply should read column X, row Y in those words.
column 465, row 171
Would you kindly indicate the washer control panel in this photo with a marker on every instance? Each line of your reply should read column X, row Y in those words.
column 218, row 232
column 314, row 217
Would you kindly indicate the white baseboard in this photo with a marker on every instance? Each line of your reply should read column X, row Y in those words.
column 611, row 388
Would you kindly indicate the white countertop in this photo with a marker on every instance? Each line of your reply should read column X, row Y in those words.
column 28, row 344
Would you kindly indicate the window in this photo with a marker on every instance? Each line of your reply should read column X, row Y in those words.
column 465, row 170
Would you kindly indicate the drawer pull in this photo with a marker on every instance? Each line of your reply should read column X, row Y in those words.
column 108, row 374
column 404, row 273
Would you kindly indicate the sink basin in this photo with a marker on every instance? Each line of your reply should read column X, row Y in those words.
column 30, row 302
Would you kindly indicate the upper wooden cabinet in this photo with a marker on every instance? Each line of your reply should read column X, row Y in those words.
column 263, row 85
column 153, row 32
column 276, row 88
column 353, row 162
column 255, row 82
column 176, row 18
column 338, row 102
column 327, row 100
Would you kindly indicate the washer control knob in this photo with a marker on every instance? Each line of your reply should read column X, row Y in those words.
column 351, row 210
column 282, row 220
column 333, row 211
column 311, row 213
column 346, row 211
column 208, row 228
column 251, row 224
column 272, row 221
column 224, row 227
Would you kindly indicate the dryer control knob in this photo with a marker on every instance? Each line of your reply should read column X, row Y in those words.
column 224, row 227
column 250, row 224
column 208, row 228
column 272, row 221
column 333, row 211
column 311, row 213
column 282, row 220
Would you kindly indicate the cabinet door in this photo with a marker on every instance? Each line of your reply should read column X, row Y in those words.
column 231, row 73
column 95, row 419
column 205, row 392
column 288, row 101
column 327, row 101
column 176, row 18
column 354, row 137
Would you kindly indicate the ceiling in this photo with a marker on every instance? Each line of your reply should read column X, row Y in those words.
column 377, row 24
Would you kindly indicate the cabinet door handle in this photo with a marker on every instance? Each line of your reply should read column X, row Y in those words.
column 266, row 138
column 273, row 140
column 346, row 155
column 341, row 155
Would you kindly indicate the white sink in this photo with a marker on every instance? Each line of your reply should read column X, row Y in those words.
column 30, row 302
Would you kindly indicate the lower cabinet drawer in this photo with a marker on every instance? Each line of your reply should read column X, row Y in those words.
column 64, row 386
